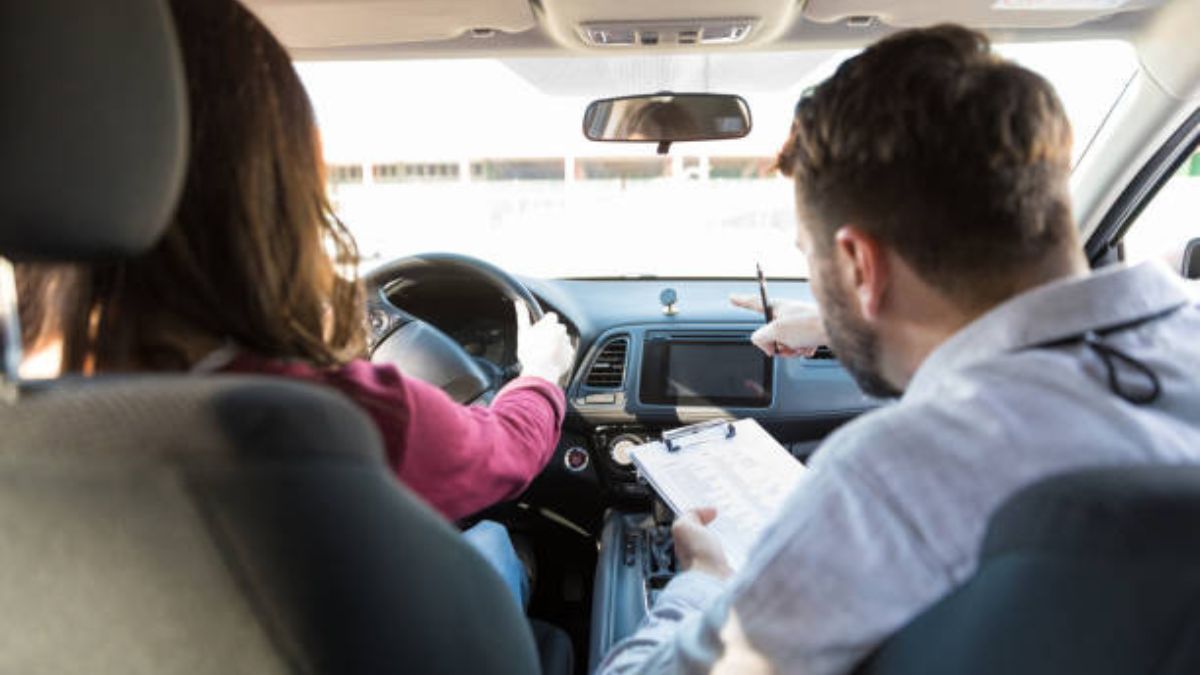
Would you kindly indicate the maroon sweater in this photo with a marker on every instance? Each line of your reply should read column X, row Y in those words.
column 461, row 459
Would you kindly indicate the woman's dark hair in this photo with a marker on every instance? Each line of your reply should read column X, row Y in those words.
column 254, row 255
column 953, row 156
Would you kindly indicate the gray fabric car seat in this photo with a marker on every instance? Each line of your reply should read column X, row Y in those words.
column 1190, row 267
column 188, row 524
column 226, row 524
column 1094, row 572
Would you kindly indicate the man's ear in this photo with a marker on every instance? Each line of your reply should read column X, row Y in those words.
column 866, row 265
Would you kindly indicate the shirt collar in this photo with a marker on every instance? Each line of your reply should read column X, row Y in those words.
column 1059, row 310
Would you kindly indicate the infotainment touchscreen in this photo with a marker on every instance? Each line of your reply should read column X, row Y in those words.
column 695, row 372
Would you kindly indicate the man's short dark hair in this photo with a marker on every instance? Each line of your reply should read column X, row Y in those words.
column 956, row 158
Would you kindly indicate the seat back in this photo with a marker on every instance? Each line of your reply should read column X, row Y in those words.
column 188, row 524
column 1095, row 572
column 229, row 524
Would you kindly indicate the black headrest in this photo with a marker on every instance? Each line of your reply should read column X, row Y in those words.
column 1191, row 260
column 93, row 128
column 1114, row 513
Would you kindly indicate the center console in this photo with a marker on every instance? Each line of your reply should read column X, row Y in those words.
column 638, row 381
column 642, row 380
column 669, row 375
column 636, row 561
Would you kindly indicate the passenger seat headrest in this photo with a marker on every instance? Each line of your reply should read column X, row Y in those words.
column 93, row 128
column 1190, row 268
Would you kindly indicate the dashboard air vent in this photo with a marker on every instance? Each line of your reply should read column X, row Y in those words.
column 608, row 370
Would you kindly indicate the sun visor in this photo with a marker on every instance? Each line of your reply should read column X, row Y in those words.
column 993, row 14
column 315, row 24
column 664, row 25
column 1167, row 49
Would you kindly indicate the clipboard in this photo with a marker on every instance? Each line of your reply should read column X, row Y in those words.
column 735, row 466
column 696, row 434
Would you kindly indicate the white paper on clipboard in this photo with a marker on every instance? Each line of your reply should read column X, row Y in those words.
column 746, row 476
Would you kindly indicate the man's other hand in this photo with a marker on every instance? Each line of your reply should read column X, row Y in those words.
column 796, row 331
column 696, row 547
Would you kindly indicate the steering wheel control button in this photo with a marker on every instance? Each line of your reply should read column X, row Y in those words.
column 379, row 320
column 669, row 298
column 576, row 459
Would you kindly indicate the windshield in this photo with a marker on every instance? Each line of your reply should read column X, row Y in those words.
column 486, row 157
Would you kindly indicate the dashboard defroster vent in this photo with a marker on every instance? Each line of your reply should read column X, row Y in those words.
column 608, row 370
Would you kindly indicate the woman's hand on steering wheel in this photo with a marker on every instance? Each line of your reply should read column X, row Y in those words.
column 543, row 349
column 420, row 350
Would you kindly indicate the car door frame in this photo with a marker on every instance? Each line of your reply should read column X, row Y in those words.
column 1103, row 246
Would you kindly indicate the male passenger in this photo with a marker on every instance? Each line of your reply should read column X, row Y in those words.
column 931, row 186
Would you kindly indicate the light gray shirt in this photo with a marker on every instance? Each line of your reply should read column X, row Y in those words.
column 893, row 512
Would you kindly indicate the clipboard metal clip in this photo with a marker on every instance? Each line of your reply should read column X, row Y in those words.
column 697, row 434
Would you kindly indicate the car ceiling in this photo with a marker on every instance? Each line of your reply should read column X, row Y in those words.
column 356, row 29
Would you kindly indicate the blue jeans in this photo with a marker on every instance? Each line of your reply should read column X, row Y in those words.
column 492, row 541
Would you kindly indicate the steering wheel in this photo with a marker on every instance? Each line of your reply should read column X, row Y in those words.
column 420, row 349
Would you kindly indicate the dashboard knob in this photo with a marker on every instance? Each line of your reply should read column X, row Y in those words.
column 620, row 446
column 576, row 459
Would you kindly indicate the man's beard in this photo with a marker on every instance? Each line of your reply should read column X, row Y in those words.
column 854, row 343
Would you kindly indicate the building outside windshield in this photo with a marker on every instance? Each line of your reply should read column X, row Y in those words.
column 487, row 158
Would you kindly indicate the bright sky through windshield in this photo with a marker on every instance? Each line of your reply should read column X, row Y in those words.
column 487, row 158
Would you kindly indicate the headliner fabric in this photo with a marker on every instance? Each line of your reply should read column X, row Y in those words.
column 309, row 24
column 93, row 127
column 973, row 13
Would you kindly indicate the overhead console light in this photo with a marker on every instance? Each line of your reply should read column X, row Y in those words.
column 679, row 25
column 667, row 33
column 609, row 36
column 726, row 33
column 861, row 21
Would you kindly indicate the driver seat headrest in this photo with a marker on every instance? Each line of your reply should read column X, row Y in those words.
column 93, row 129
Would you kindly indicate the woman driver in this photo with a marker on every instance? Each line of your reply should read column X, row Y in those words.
column 256, row 275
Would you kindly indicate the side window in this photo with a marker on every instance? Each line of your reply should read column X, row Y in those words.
column 1170, row 220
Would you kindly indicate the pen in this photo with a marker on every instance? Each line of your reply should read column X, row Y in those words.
column 762, row 291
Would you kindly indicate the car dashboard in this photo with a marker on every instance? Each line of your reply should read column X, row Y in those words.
column 641, row 368
column 644, row 368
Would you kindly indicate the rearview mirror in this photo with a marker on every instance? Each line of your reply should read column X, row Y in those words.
column 667, row 118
